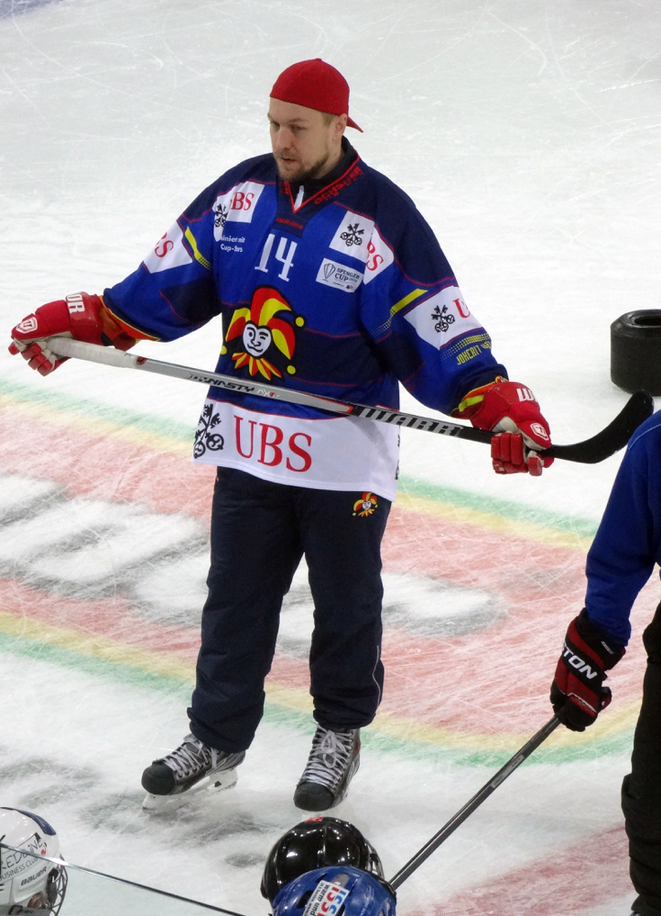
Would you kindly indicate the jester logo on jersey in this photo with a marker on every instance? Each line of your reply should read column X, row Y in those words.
column 365, row 505
column 268, row 325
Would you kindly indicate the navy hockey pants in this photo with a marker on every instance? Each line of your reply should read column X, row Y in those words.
column 641, row 790
column 259, row 532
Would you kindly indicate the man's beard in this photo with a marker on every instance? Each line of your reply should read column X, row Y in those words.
column 317, row 170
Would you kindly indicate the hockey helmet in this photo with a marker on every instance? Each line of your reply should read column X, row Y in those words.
column 28, row 883
column 337, row 890
column 315, row 843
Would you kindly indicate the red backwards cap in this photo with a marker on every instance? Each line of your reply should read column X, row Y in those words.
column 314, row 84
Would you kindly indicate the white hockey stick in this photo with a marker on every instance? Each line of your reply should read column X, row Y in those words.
column 604, row 444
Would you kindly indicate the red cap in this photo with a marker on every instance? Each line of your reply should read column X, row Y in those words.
column 314, row 84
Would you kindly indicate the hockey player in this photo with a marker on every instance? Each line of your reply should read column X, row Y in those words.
column 325, row 866
column 28, row 883
column 619, row 563
column 328, row 280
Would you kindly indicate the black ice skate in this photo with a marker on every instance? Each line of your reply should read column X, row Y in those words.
column 334, row 758
column 191, row 768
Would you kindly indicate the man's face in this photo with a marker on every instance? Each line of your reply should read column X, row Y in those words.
column 304, row 143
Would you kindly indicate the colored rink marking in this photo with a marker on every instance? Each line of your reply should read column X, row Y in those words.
column 583, row 876
column 33, row 636
column 489, row 522
column 98, row 459
column 534, row 566
column 127, row 457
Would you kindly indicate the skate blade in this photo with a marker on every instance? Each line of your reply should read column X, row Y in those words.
column 216, row 782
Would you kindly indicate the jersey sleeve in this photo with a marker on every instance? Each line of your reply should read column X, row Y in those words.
column 628, row 540
column 172, row 292
column 416, row 314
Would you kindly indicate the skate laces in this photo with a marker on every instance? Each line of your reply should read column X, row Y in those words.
column 191, row 757
column 330, row 757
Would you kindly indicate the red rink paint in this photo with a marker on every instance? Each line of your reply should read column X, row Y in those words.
column 512, row 661
column 484, row 683
column 581, row 877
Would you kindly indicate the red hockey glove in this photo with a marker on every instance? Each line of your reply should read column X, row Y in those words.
column 578, row 694
column 510, row 409
column 80, row 316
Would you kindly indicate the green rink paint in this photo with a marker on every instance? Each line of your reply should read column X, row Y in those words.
column 279, row 714
column 181, row 432
column 489, row 505
column 97, row 410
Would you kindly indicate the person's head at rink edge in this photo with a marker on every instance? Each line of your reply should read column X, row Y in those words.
column 308, row 114
column 29, row 883
column 339, row 889
column 325, row 864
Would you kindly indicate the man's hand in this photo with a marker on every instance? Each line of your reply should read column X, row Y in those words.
column 578, row 693
column 80, row 316
column 510, row 410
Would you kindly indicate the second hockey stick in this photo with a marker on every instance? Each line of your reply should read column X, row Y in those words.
column 474, row 803
column 604, row 444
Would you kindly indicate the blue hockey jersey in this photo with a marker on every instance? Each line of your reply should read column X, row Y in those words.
column 342, row 293
column 628, row 540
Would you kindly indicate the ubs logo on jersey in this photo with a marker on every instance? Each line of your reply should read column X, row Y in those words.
column 235, row 206
column 443, row 318
column 264, row 334
column 168, row 252
column 358, row 237
column 207, row 436
column 352, row 235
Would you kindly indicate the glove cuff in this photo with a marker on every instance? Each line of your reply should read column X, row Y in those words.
column 593, row 636
column 471, row 402
column 117, row 332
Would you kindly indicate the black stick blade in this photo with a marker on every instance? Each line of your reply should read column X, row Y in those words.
column 614, row 437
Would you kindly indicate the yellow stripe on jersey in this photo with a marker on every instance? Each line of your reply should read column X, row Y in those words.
column 398, row 306
column 197, row 254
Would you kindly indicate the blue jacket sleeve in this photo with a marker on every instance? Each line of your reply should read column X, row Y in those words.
column 628, row 540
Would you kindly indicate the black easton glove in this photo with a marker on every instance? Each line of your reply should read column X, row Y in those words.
column 578, row 694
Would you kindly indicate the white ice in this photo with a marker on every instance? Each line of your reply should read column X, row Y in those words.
column 528, row 134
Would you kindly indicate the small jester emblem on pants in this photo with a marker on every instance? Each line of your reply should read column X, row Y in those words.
column 365, row 505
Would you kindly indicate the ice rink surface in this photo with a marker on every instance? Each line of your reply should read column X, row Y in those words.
column 528, row 135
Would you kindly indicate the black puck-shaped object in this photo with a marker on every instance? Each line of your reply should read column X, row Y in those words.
column 636, row 351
